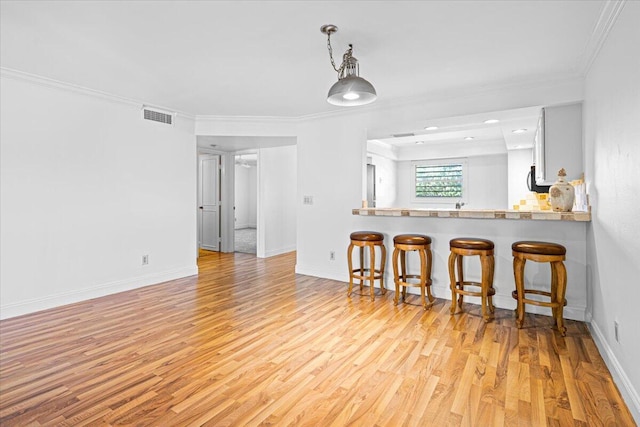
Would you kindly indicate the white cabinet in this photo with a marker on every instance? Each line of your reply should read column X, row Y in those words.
column 558, row 143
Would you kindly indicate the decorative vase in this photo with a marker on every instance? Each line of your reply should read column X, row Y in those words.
column 561, row 194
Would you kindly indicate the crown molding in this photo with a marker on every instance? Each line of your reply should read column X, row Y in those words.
column 459, row 93
column 57, row 84
column 608, row 16
column 439, row 96
column 245, row 119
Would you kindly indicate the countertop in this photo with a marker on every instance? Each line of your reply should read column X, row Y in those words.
column 476, row 213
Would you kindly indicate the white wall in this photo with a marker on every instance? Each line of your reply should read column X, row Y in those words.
column 612, row 155
column 519, row 162
column 88, row 187
column 487, row 181
column 277, row 196
column 332, row 154
column 246, row 197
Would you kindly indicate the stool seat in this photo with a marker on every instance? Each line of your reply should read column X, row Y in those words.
column 539, row 248
column 412, row 239
column 367, row 236
column 471, row 243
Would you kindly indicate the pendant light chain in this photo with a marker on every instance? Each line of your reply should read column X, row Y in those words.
column 331, row 53
column 347, row 55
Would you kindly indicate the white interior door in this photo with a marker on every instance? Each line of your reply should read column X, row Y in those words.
column 209, row 202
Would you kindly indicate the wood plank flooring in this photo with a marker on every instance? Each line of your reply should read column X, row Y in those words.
column 248, row 342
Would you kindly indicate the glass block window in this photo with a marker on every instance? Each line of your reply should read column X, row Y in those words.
column 439, row 181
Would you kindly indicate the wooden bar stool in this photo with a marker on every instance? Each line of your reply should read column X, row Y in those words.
column 412, row 242
column 368, row 239
column 541, row 252
column 464, row 246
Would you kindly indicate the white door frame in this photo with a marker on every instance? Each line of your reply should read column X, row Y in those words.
column 227, row 189
column 213, row 206
column 225, row 208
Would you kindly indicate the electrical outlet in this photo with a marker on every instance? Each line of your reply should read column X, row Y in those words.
column 616, row 332
column 332, row 256
column 307, row 200
column 145, row 259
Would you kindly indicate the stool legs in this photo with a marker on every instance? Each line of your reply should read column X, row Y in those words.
column 488, row 266
column 402, row 276
column 383, row 288
column 452, row 281
column 361, row 251
column 460, row 285
column 371, row 276
column 557, row 294
column 558, row 289
column 425, row 274
column 487, row 262
column 350, row 263
column 396, row 276
column 518, row 272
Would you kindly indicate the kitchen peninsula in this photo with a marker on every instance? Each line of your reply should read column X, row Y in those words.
column 503, row 227
column 476, row 213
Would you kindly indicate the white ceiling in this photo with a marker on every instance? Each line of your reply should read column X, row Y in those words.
column 268, row 58
column 454, row 130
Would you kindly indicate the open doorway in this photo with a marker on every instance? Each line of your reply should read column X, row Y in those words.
column 270, row 165
column 246, row 203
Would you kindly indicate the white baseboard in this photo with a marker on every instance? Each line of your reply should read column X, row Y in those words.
column 508, row 303
column 627, row 389
column 70, row 297
column 323, row 273
column 279, row 251
column 442, row 290
column 243, row 226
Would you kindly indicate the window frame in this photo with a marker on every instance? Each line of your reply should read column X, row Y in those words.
column 463, row 161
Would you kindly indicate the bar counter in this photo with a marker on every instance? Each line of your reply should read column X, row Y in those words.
column 476, row 214
column 503, row 227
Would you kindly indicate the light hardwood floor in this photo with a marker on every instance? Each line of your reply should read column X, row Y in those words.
column 248, row 342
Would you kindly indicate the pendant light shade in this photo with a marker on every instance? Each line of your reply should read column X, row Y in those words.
column 350, row 89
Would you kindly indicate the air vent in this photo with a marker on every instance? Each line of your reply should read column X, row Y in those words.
column 158, row 116
column 402, row 135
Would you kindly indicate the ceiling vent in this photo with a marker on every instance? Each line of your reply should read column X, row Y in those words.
column 157, row 116
column 402, row 135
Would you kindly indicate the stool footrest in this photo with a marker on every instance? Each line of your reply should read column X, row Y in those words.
column 358, row 270
column 406, row 284
column 490, row 292
column 402, row 279
column 357, row 277
column 514, row 294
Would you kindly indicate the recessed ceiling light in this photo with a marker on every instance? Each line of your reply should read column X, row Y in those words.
column 491, row 121
column 468, row 138
column 431, row 128
column 519, row 131
column 419, row 142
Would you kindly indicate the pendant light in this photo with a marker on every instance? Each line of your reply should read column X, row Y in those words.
column 350, row 89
